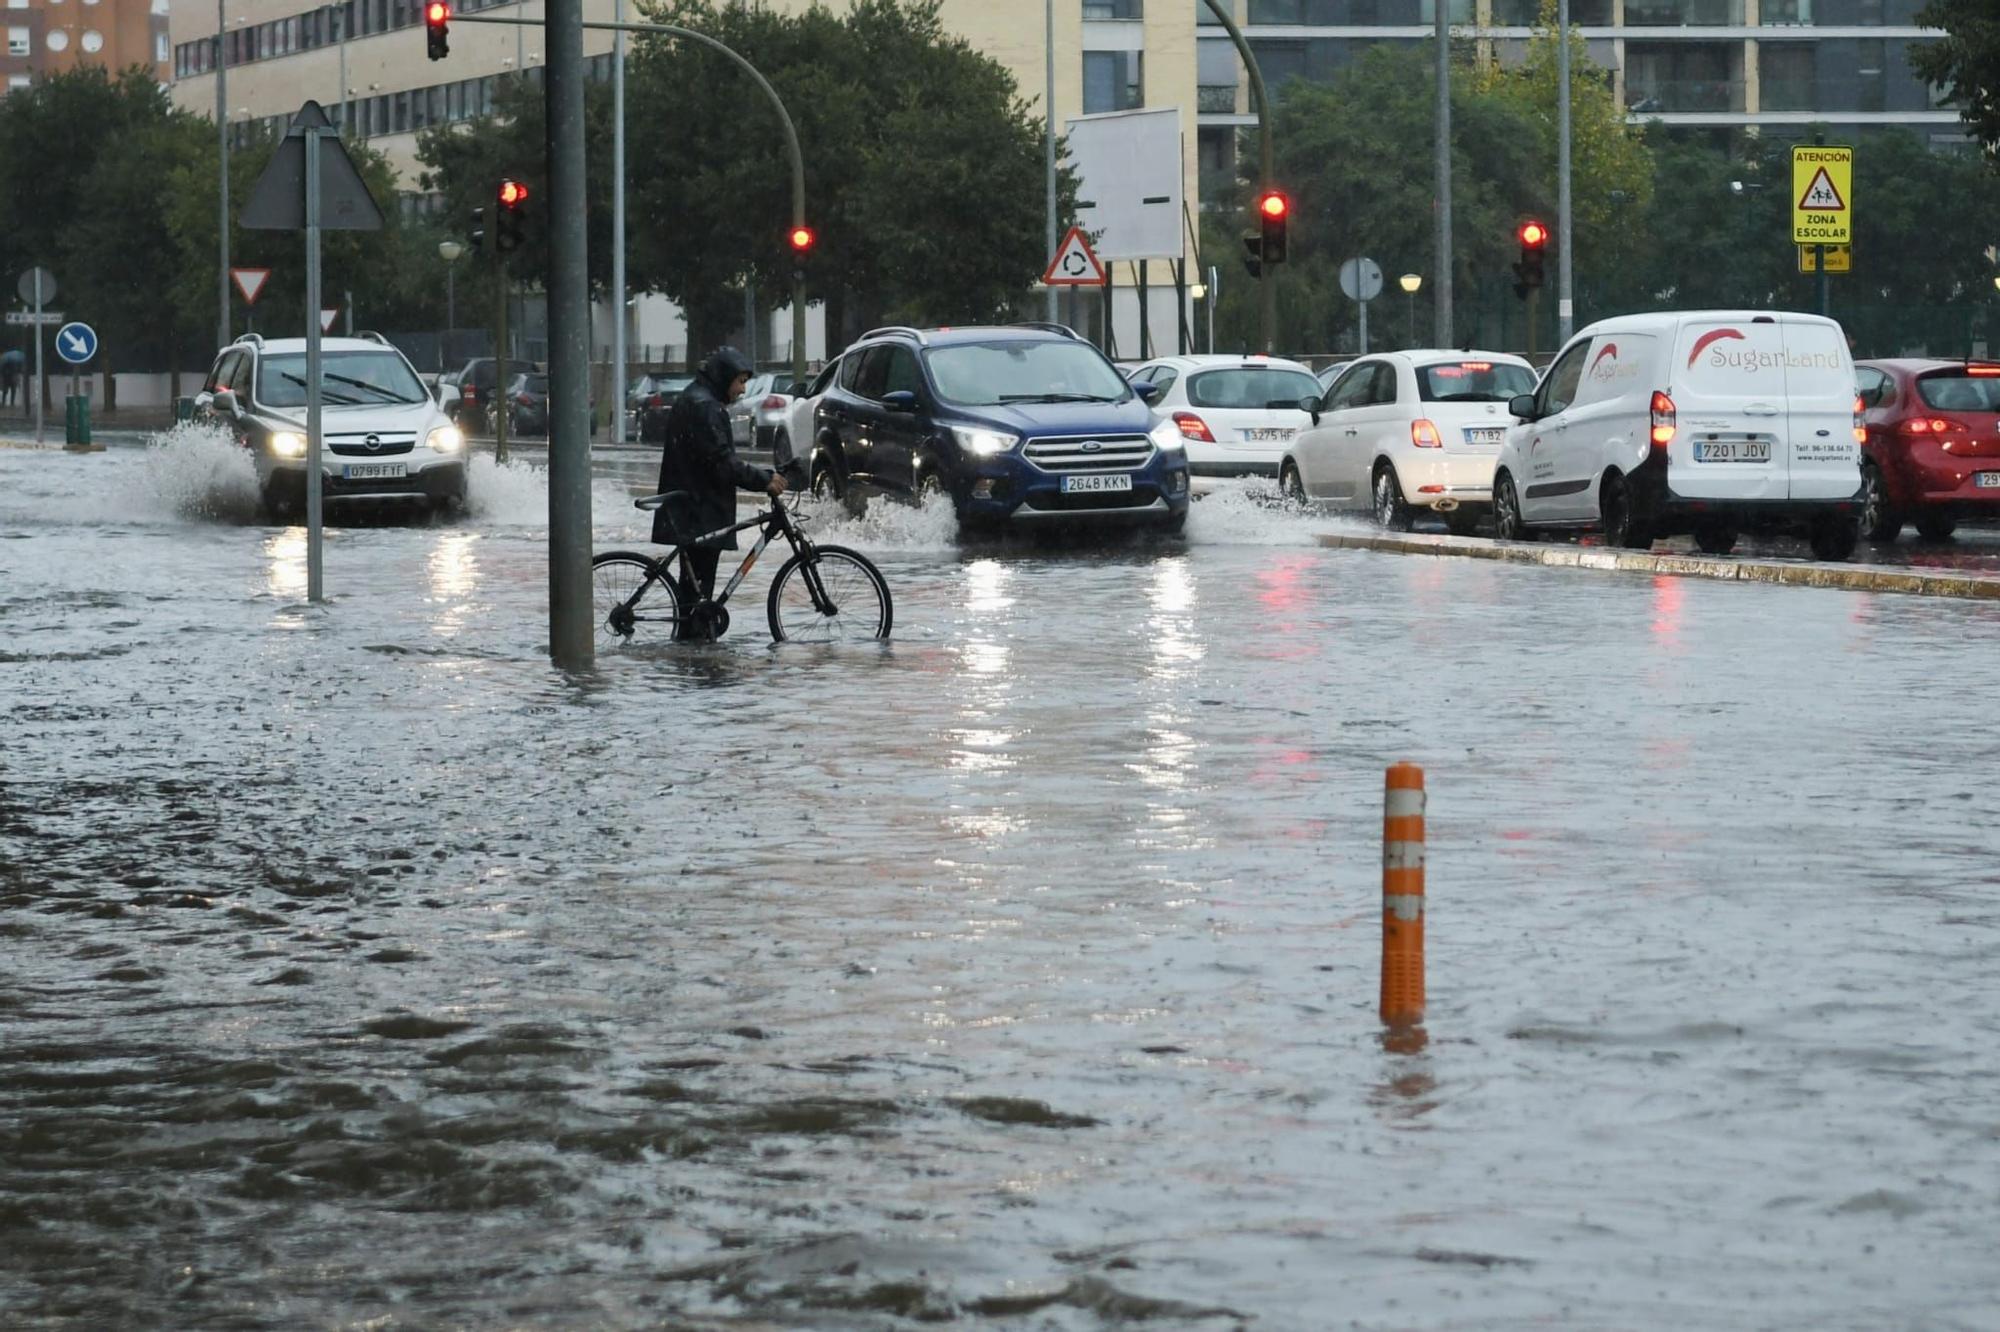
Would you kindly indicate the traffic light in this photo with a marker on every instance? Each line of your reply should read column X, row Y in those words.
column 1528, row 269
column 1274, row 210
column 1254, row 251
column 437, row 29
column 477, row 235
column 801, row 238
column 507, row 218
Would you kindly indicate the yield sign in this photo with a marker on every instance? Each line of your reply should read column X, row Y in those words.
column 250, row 281
column 1074, row 264
column 326, row 318
column 1821, row 196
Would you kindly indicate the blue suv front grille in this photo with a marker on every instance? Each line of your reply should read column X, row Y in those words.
column 1090, row 453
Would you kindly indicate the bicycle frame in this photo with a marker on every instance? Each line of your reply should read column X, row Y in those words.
column 775, row 522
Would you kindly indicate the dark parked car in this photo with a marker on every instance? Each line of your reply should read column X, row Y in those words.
column 1027, row 423
column 528, row 400
column 472, row 408
column 1931, row 449
column 651, row 398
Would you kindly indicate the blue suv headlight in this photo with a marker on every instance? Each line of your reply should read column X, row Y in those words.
column 1166, row 437
column 982, row 443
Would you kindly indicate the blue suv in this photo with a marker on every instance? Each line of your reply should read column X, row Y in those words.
column 1028, row 423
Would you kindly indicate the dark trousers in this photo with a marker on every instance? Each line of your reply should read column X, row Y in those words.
column 698, row 567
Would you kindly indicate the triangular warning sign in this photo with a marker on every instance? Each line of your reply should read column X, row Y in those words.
column 250, row 281
column 326, row 318
column 1821, row 196
column 1074, row 264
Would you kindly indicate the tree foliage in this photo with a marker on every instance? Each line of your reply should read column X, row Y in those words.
column 1966, row 63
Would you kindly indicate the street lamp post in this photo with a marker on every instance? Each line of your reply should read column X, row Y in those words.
column 449, row 251
column 1409, row 282
column 222, row 140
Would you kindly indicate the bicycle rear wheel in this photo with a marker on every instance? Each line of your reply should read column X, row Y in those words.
column 634, row 598
column 856, row 598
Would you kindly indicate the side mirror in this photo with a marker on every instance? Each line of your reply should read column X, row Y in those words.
column 1310, row 406
column 224, row 403
column 1523, row 406
column 902, row 400
column 1149, row 393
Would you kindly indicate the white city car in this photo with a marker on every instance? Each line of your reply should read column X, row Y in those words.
column 1407, row 431
column 1236, row 414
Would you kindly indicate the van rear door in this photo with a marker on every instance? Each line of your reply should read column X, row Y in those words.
column 1819, row 420
column 1729, row 405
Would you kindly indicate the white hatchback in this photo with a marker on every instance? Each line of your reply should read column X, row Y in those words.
column 1236, row 414
column 1404, row 431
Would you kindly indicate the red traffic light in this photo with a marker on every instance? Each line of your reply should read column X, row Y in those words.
column 802, row 239
column 1534, row 235
column 437, row 11
column 1273, row 205
column 513, row 193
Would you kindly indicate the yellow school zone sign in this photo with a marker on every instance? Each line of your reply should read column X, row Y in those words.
column 1839, row 259
column 1822, row 195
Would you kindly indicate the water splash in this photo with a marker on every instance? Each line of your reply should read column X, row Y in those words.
column 884, row 524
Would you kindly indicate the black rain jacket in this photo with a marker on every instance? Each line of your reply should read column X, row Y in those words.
column 700, row 458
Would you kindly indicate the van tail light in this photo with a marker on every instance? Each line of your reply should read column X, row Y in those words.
column 1663, row 420
column 1924, row 427
column 1193, row 427
column 1424, row 434
column 1860, row 431
column 773, row 403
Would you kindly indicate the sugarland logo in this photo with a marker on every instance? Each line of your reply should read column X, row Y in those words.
column 1751, row 360
column 1605, row 366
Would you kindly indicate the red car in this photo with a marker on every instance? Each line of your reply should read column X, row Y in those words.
column 1932, row 451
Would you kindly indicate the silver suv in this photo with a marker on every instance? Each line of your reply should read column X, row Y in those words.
column 385, row 437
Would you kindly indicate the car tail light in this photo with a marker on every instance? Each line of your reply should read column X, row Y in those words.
column 1860, row 431
column 772, row 403
column 470, row 393
column 1663, row 420
column 1923, row 426
column 526, row 399
column 1983, row 371
column 654, row 401
column 1424, row 434
column 1193, row 427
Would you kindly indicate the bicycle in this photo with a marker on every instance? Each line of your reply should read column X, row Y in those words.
column 821, row 594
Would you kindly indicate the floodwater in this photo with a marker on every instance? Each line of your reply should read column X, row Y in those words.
column 358, row 970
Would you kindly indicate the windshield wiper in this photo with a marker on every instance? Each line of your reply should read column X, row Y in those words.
column 390, row 394
column 1053, row 397
column 335, row 398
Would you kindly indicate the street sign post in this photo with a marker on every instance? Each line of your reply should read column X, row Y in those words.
column 28, row 318
column 250, row 281
column 76, row 343
column 1839, row 258
column 1074, row 264
column 37, row 287
column 1361, row 281
column 1822, row 202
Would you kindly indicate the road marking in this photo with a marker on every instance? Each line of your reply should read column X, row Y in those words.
column 1845, row 577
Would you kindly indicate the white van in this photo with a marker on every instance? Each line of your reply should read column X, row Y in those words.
column 1703, row 421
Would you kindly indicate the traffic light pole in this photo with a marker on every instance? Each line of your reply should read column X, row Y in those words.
column 1267, row 280
column 500, row 364
column 572, row 642
column 784, row 119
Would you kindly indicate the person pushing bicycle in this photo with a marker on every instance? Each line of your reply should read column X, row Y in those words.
column 699, row 458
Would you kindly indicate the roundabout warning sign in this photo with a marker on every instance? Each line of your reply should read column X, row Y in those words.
column 1823, row 195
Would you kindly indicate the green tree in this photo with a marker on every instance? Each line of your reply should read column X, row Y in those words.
column 1966, row 63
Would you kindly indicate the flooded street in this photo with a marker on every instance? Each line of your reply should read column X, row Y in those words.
column 359, row 970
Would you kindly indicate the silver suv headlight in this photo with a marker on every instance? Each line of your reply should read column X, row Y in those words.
column 983, row 443
column 446, row 439
column 1166, row 437
column 288, row 444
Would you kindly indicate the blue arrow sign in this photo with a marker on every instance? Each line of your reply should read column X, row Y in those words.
column 76, row 343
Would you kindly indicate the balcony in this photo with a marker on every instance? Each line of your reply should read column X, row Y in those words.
column 1216, row 97
column 1683, row 13
column 1668, row 96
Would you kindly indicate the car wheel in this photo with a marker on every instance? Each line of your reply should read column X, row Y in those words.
column 1936, row 527
column 1392, row 511
column 1715, row 538
column 1176, row 524
column 929, row 486
column 1624, row 526
column 1291, row 486
column 825, row 481
column 1834, row 536
column 1508, row 525
column 1879, row 519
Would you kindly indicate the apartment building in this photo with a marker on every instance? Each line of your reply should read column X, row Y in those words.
column 1700, row 65
column 55, row 36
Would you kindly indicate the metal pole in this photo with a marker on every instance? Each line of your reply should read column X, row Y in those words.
column 340, row 12
column 40, row 384
column 1441, row 183
column 750, row 321
column 347, row 310
column 314, row 496
column 1565, row 304
column 222, row 206
column 618, row 372
column 1819, row 256
column 1267, row 277
column 570, row 642
column 450, row 310
column 1364, row 328
column 1049, row 147
column 1214, row 289
column 499, row 407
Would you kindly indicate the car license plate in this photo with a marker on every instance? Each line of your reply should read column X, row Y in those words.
column 1732, row 450
column 1484, row 434
column 1074, row 484
column 1987, row 480
column 372, row 471
column 1268, row 434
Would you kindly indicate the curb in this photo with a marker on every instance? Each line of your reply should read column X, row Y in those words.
column 1844, row 577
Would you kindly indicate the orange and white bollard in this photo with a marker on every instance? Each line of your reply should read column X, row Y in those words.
column 1403, row 896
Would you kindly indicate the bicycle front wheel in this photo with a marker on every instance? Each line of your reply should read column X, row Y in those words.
column 829, row 595
column 635, row 598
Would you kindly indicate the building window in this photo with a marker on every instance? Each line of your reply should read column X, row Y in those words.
column 1113, row 80
column 17, row 4
column 1099, row 10
column 16, row 81
column 17, row 41
column 1787, row 75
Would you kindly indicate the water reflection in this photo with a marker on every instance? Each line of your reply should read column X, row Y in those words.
column 285, row 571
